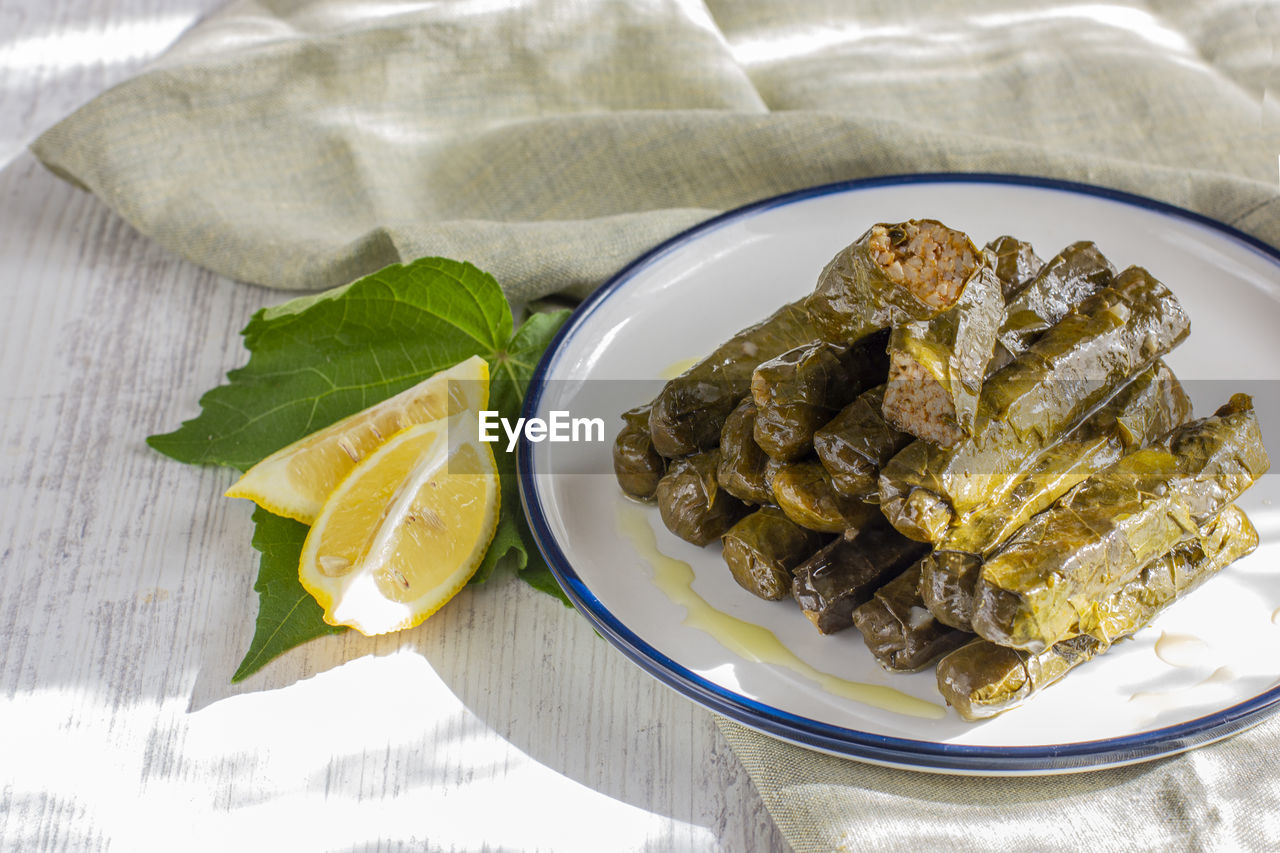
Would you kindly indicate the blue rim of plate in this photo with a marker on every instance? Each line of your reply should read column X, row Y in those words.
column 838, row 740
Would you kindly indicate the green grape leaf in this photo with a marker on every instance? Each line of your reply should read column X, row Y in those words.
column 287, row 614
column 316, row 359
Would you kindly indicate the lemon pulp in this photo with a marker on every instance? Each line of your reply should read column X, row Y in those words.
column 296, row 480
column 405, row 530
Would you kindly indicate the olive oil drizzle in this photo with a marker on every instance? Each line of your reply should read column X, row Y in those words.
column 746, row 639
column 678, row 367
column 1157, row 701
column 1182, row 650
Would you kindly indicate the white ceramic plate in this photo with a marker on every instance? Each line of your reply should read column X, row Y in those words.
column 1214, row 673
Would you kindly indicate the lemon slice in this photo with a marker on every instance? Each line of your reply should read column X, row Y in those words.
column 405, row 530
column 295, row 480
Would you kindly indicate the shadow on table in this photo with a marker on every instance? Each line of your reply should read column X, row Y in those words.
column 534, row 672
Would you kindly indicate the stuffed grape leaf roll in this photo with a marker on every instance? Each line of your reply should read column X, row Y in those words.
column 690, row 411
column 982, row 679
column 899, row 630
column 848, row 570
column 893, row 273
column 1035, row 588
column 1142, row 412
column 762, row 548
column 1074, row 274
column 1029, row 405
column 691, row 502
column 803, row 490
column 741, row 471
column 937, row 366
column 636, row 464
column 1016, row 263
column 856, row 443
column 800, row 390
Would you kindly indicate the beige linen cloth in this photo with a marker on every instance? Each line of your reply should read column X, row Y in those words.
column 301, row 144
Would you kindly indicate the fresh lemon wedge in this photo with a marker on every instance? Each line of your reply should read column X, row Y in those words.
column 295, row 480
column 405, row 530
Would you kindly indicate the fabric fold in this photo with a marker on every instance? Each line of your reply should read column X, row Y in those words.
column 299, row 145
column 1208, row 799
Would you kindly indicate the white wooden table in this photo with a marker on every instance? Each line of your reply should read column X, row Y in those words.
column 126, row 601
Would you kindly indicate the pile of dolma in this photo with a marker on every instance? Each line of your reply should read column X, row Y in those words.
column 975, row 457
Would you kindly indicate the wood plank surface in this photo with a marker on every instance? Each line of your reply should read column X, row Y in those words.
column 503, row 723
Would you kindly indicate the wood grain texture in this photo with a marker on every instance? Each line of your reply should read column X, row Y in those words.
column 503, row 723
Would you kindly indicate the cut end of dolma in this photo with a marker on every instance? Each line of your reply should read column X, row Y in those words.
column 937, row 366
column 933, row 262
column 636, row 464
column 893, row 273
column 692, row 504
column 762, row 548
column 920, row 404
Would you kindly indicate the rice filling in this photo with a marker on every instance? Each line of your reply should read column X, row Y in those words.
column 928, row 258
column 915, row 402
